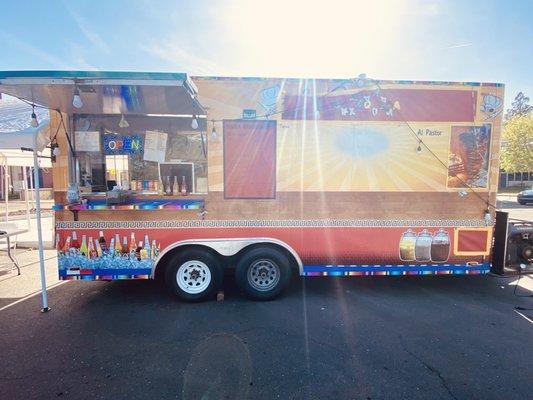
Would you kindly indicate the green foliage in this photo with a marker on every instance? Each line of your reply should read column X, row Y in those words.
column 517, row 152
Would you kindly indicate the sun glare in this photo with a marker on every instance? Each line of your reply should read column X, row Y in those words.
column 311, row 39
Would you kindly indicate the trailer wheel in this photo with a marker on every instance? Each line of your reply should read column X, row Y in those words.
column 263, row 273
column 194, row 275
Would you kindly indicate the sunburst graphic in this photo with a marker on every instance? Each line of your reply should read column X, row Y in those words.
column 337, row 156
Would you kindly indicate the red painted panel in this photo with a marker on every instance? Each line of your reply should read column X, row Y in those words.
column 315, row 246
column 470, row 240
column 250, row 159
column 386, row 105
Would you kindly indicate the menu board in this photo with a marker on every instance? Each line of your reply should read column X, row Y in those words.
column 87, row 140
column 155, row 146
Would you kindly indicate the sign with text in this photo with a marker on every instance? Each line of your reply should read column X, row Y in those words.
column 87, row 141
column 155, row 146
column 416, row 105
column 249, row 114
column 122, row 144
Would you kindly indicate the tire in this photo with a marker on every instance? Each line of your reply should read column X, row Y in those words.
column 522, row 203
column 193, row 275
column 263, row 273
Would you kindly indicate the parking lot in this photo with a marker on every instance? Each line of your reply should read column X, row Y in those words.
column 439, row 337
column 357, row 338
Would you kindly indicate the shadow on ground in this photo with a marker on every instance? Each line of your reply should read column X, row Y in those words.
column 439, row 337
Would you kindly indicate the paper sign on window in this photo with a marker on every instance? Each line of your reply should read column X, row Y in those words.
column 87, row 140
column 155, row 146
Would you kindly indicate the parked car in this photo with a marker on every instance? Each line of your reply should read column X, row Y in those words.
column 526, row 196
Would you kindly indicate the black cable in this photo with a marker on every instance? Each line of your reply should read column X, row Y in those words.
column 518, row 281
column 445, row 165
column 419, row 140
column 62, row 123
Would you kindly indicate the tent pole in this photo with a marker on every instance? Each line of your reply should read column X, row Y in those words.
column 40, row 231
column 32, row 190
column 25, row 183
column 6, row 188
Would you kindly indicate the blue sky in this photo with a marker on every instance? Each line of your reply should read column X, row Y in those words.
column 403, row 39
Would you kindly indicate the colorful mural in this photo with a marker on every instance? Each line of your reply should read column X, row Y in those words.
column 344, row 136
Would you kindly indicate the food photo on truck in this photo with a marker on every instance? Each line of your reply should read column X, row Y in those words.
column 178, row 178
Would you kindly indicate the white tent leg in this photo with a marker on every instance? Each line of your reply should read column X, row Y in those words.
column 25, row 183
column 40, row 231
column 32, row 191
column 6, row 188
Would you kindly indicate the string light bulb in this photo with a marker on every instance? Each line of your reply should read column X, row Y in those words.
column 213, row 131
column 123, row 123
column 76, row 100
column 194, row 123
column 34, row 121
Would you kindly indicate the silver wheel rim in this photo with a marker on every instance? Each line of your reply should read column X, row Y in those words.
column 193, row 277
column 263, row 275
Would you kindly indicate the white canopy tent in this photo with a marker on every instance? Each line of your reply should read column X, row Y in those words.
column 103, row 92
column 18, row 158
column 32, row 141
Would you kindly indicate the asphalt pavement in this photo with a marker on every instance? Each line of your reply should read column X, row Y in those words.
column 445, row 337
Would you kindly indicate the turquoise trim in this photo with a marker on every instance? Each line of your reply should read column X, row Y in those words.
column 94, row 75
column 183, row 77
column 340, row 80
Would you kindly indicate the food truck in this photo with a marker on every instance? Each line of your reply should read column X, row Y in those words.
column 172, row 177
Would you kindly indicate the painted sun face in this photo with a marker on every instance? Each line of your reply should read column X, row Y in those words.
column 491, row 103
column 269, row 96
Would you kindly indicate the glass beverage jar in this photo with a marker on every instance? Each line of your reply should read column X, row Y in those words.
column 440, row 246
column 423, row 246
column 407, row 246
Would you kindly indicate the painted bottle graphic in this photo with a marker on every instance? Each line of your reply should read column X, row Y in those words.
column 175, row 188
column 423, row 246
column 407, row 246
column 440, row 246
column 83, row 246
column 74, row 244
column 92, row 250
column 139, row 251
column 101, row 241
column 98, row 248
column 118, row 247
column 154, row 250
column 183, row 186
column 147, row 247
column 143, row 253
column 66, row 246
column 125, row 249
column 133, row 243
column 112, row 247
column 59, row 244
column 168, row 189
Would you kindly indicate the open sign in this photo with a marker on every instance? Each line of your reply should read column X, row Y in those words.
column 121, row 145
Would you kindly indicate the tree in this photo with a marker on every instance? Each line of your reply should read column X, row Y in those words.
column 519, row 107
column 517, row 154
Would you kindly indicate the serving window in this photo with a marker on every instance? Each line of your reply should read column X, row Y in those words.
column 146, row 154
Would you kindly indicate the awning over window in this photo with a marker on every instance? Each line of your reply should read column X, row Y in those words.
column 105, row 92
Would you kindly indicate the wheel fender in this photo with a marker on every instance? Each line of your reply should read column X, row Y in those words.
column 228, row 247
